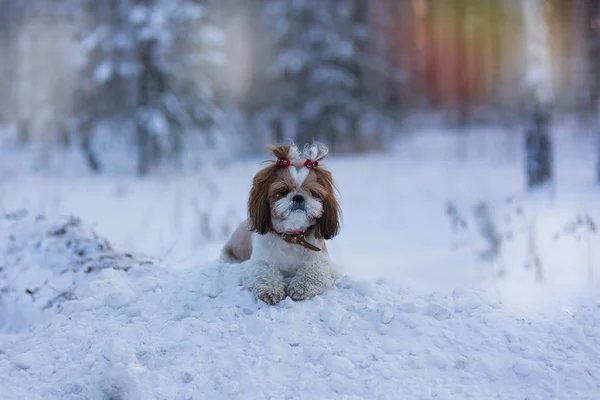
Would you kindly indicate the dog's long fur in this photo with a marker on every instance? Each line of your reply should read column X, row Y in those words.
column 272, row 261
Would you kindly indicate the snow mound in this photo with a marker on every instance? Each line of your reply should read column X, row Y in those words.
column 195, row 333
column 41, row 262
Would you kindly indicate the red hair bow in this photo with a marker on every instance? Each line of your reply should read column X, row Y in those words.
column 283, row 162
column 311, row 164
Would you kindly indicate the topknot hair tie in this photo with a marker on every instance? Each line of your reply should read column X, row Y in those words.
column 284, row 162
column 311, row 164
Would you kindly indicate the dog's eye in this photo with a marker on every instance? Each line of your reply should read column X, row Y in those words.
column 315, row 194
column 283, row 193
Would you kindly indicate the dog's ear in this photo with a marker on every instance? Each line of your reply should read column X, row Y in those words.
column 328, row 225
column 259, row 210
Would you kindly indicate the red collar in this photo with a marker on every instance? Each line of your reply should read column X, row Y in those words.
column 298, row 237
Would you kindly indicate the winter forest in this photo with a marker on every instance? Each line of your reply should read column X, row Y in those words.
column 172, row 81
column 464, row 141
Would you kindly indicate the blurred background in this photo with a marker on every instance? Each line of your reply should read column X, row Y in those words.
column 171, row 80
column 150, row 117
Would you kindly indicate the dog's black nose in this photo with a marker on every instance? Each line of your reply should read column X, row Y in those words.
column 298, row 199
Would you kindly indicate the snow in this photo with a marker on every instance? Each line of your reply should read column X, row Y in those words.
column 157, row 333
column 103, row 72
column 413, row 317
column 43, row 261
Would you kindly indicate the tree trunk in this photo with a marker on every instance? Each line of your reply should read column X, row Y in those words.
column 23, row 132
column 594, row 48
column 538, row 148
column 64, row 136
column 598, row 146
column 90, row 156
column 144, row 142
column 593, row 10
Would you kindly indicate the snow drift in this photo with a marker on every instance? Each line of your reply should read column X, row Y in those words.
column 42, row 261
column 104, row 325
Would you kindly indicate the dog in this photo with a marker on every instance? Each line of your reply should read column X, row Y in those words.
column 292, row 211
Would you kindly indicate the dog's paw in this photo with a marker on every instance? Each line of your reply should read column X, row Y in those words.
column 299, row 291
column 271, row 297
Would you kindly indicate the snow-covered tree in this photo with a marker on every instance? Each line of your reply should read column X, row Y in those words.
column 538, row 85
column 316, row 87
column 150, row 62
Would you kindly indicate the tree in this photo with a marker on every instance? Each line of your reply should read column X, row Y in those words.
column 538, row 146
column 316, row 76
column 105, row 69
column 150, row 62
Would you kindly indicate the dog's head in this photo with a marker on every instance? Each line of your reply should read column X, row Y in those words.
column 295, row 194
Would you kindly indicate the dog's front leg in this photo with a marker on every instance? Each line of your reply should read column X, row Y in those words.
column 310, row 280
column 266, row 282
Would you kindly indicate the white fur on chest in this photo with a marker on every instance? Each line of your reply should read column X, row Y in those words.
column 287, row 257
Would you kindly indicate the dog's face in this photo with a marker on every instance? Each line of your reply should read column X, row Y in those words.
column 293, row 198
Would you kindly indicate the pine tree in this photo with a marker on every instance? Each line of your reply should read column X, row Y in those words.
column 316, row 75
column 105, row 72
column 151, row 62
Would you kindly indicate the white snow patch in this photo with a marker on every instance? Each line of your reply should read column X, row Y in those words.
column 420, row 315
column 167, row 335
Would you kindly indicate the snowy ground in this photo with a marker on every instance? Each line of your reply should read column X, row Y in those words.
column 158, row 333
column 419, row 314
column 395, row 224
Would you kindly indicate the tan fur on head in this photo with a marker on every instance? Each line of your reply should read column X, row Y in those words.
column 285, row 151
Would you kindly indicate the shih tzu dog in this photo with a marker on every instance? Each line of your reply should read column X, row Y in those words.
column 292, row 210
